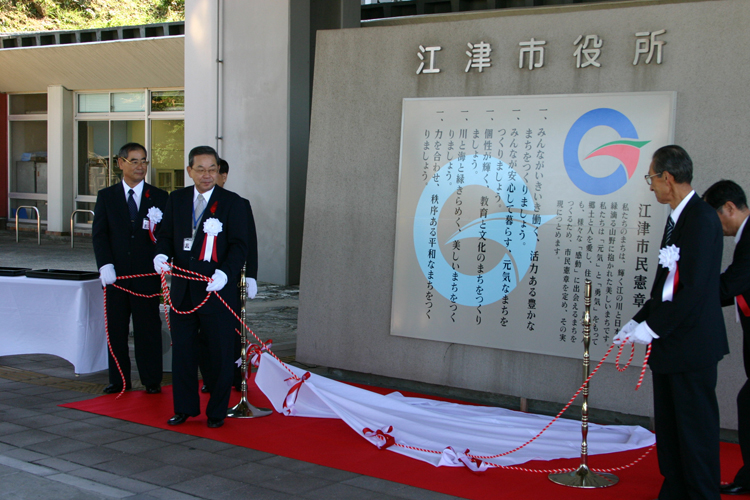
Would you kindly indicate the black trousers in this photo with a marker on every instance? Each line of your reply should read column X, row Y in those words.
column 218, row 328
column 204, row 363
column 687, row 434
column 146, row 336
column 743, row 430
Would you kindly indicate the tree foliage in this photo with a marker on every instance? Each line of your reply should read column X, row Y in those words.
column 43, row 15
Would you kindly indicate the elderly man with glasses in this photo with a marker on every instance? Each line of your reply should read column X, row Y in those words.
column 683, row 322
column 123, row 230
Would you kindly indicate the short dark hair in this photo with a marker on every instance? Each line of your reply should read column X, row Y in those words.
column 723, row 191
column 202, row 150
column 127, row 148
column 223, row 166
column 675, row 160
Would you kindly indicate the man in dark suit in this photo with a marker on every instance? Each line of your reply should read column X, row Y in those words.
column 251, row 275
column 684, row 324
column 204, row 231
column 730, row 203
column 123, row 244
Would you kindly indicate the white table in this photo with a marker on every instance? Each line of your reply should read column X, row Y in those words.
column 59, row 317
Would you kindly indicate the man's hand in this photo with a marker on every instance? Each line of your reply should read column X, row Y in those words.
column 107, row 274
column 252, row 287
column 624, row 333
column 160, row 263
column 643, row 334
column 218, row 280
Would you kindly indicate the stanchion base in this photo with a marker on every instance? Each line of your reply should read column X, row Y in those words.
column 244, row 409
column 584, row 478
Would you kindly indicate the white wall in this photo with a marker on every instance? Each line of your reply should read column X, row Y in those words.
column 59, row 159
column 262, row 109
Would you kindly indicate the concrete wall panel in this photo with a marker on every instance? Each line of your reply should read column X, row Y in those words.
column 362, row 75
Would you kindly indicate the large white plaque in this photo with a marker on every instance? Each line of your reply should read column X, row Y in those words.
column 507, row 204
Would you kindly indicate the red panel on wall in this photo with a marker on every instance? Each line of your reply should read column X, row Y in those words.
column 3, row 155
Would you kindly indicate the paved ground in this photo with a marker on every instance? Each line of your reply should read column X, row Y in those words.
column 48, row 452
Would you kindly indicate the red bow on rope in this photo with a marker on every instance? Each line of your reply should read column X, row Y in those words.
column 255, row 351
column 453, row 458
column 385, row 440
column 291, row 397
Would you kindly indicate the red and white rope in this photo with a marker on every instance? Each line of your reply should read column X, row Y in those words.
column 199, row 277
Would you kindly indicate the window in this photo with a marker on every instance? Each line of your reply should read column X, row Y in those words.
column 98, row 144
column 168, row 100
column 105, row 121
column 167, row 154
column 28, row 155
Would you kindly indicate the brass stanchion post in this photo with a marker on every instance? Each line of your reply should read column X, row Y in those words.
column 244, row 409
column 583, row 477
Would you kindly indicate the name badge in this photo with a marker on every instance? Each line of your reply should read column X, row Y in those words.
column 145, row 224
column 187, row 244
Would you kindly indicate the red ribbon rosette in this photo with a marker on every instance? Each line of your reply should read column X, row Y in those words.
column 669, row 257
column 211, row 228
column 154, row 217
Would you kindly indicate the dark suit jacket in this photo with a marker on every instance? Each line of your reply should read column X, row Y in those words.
column 691, row 328
column 231, row 244
column 735, row 280
column 251, row 270
column 127, row 246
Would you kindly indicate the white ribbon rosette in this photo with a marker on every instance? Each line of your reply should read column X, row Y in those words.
column 154, row 217
column 212, row 227
column 668, row 257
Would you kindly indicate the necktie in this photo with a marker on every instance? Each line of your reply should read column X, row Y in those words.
column 132, row 207
column 198, row 207
column 668, row 231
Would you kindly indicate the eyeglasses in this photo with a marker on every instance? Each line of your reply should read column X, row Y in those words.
column 649, row 177
column 136, row 162
column 210, row 171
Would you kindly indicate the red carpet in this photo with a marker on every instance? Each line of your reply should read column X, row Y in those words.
column 332, row 443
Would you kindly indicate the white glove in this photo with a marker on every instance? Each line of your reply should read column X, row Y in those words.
column 107, row 274
column 160, row 263
column 218, row 280
column 252, row 287
column 643, row 334
column 625, row 332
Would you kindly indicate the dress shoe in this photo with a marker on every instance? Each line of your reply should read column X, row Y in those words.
column 179, row 418
column 213, row 423
column 153, row 389
column 205, row 389
column 114, row 389
column 733, row 489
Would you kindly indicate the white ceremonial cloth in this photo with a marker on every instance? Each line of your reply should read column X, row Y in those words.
column 59, row 317
column 435, row 425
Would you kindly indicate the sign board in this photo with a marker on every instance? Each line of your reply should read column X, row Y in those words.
column 507, row 204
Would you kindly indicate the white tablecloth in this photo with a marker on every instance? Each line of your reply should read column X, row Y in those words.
column 59, row 317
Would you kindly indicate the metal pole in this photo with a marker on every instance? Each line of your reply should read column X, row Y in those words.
column 72, row 216
column 584, row 477
column 244, row 409
column 38, row 223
